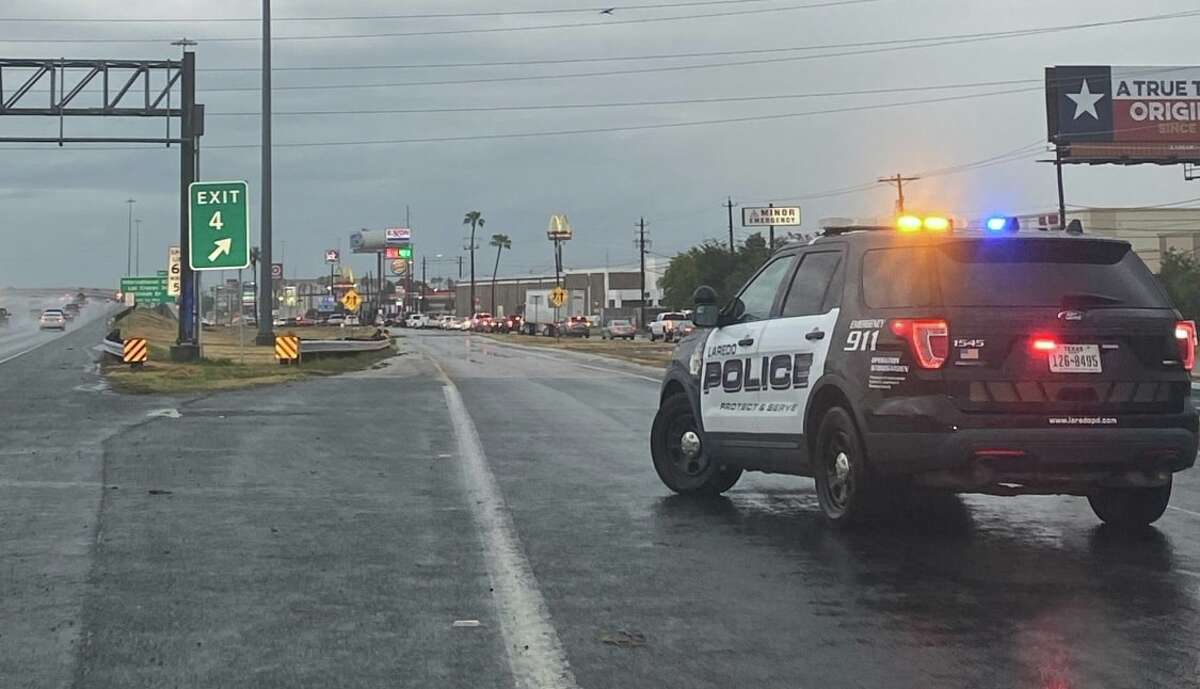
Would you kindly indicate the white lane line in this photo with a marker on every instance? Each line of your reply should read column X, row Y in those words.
column 20, row 354
column 1180, row 509
column 535, row 653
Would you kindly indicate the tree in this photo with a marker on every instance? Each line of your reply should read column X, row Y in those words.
column 501, row 242
column 475, row 220
column 1180, row 277
column 711, row 264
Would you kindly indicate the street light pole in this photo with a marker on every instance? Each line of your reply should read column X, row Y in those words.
column 137, row 247
column 129, row 240
column 265, row 306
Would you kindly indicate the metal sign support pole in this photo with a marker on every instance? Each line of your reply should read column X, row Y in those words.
column 1062, row 199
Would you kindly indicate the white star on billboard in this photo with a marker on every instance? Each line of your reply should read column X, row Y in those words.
column 1085, row 101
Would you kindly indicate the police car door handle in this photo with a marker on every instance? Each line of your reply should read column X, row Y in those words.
column 815, row 334
column 746, row 342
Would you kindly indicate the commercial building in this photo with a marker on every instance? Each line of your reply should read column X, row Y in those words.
column 611, row 292
column 1151, row 231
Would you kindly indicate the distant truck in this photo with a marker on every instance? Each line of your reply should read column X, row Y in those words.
column 670, row 326
column 542, row 319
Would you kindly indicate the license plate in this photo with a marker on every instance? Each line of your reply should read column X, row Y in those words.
column 1075, row 358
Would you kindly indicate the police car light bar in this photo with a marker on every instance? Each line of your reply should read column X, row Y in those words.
column 931, row 223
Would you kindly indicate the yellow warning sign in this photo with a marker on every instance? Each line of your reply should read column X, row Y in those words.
column 558, row 297
column 351, row 300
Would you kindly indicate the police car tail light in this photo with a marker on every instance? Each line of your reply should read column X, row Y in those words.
column 929, row 339
column 1185, row 337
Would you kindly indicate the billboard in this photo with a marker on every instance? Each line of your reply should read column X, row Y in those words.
column 1124, row 115
column 376, row 241
column 770, row 216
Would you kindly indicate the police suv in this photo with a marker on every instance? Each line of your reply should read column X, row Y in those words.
column 886, row 361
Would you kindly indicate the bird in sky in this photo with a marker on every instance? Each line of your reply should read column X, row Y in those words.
column 610, row 10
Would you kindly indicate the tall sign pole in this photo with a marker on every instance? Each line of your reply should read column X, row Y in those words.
column 265, row 306
column 186, row 340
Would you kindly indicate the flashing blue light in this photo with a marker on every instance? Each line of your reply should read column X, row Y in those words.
column 997, row 224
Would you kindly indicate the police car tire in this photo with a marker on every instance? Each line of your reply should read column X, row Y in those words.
column 838, row 435
column 1130, row 507
column 716, row 479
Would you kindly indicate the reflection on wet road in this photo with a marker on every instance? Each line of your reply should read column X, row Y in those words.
column 754, row 589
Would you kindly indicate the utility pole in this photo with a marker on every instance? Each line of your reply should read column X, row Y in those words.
column 729, row 207
column 423, row 283
column 899, row 181
column 459, row 269
column 266, row 335
column 642, row 244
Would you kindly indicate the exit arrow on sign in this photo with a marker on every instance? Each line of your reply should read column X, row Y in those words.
column 223, row 246
column 218, row 225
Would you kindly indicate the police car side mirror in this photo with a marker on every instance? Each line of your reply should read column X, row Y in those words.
column 732, row 313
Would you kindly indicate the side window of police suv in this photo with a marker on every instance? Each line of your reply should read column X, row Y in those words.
column 759, row 294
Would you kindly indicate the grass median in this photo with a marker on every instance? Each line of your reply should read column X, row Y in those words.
column 232, row 360
column 656, row 354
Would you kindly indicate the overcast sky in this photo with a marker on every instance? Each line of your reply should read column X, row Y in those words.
column 64, row 216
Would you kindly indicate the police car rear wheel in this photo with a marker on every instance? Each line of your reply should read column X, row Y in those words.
column 843, row 490
column 679, row 456
column 1130, row 507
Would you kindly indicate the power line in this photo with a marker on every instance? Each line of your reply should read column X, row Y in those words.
column 627, row 104
column 887, row 47
column 658, row 125
column 449, row 32
column 722, row 53
column 374, row 17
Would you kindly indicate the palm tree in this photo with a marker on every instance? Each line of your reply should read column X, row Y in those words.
column 475, row 220
column 501, row 242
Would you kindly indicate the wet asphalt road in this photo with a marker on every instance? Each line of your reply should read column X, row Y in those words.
column 330, row 533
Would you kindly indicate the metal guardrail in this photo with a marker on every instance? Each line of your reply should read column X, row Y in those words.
column 343, row 346
column 116, row 348
column 112, row 348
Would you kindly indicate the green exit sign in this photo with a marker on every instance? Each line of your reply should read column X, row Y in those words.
column 149, row 290
column 218, row 225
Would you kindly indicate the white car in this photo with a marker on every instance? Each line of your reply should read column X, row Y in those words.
column 417, row 320
column 446, row 322
column 53, row 319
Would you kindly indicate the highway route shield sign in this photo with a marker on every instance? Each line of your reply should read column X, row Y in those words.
column 351, row 300
column 558, row 297
column 218, row 225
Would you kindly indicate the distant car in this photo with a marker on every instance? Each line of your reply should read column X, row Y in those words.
column 53, row 319
column 576, row 326
column 417, row 320
column 619, row 328
column 481, row 322
column 513, row 323
column 278, row 322
column 445, row 322
column 4, row 316
column 71, row 310
column 351, row 321
column 335, row 319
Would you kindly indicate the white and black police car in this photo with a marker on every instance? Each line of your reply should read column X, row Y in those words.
column 894, row 361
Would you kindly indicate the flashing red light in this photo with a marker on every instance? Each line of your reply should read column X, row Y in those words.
column 928, row 337
column 1185, row 337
